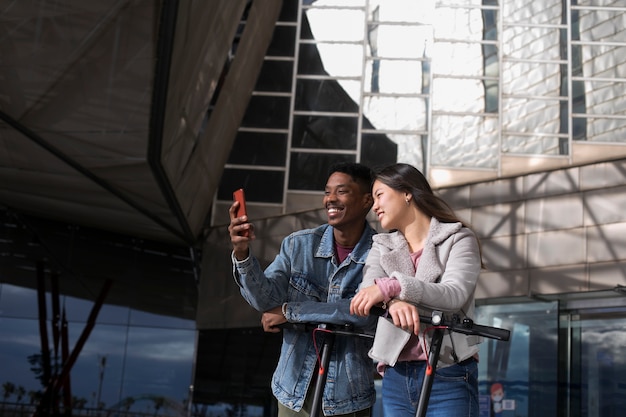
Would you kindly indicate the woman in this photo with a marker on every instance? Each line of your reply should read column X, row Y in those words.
column 430, row 261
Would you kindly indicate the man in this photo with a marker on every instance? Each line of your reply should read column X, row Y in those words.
column 312, row 280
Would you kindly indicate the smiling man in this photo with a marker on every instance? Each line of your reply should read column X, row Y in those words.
column 312, row 280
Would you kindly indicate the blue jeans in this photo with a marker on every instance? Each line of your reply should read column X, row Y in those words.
column 454, row 391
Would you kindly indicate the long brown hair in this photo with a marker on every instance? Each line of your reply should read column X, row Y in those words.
column 408, row 179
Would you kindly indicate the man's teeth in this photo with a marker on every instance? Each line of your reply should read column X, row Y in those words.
column 333, row 210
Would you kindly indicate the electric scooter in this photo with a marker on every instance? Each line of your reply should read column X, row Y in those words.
column 437, row 321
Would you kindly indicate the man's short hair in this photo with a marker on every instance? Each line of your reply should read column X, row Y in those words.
column 361, row 174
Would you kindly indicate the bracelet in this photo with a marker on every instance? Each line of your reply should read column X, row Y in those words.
column 284, row 309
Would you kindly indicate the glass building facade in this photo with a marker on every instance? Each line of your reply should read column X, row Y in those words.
column 481, row 95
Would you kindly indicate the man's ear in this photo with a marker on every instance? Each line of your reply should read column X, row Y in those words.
column 368, row 200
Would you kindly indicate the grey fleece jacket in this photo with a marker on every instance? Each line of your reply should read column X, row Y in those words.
column 445, row 278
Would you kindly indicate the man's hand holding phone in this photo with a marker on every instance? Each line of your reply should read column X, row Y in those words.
column 240, row 230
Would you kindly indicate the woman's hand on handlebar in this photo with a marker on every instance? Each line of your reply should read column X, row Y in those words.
column 365, row 299
column 404, row 315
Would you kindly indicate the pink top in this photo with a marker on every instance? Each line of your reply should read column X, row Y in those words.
column 390, row 287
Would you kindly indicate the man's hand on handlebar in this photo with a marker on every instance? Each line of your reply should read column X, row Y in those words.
column 273, row 318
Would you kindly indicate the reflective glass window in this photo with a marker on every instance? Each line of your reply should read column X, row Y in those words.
column 20, row 302
column 402, row 10
column 336, row 25
column 458, row 95
column 460, row 23
column 531, row 115
column 598, row 362
column 334, row 59
column 20, row 341
column 396, row 113
column 275, row 76
column 260, row 185
column 519, row 377
column 458, row 59
column 158, row 363
column 524, row 12
column 78, row 309
column 267, row 112
column 289, row 11
column 392, row 41
column 378, row 150
column 142, row 369
column 309, row 60
column 532, row 78
column 309, row 171
column 324, row 132
column 539, row 43
column 396, row 76
column 324, row 95
column 259, row 148
column 283, row 42
column 464, row 141
column 531, row 144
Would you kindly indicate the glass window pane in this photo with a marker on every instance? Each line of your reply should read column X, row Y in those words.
column 378, row 150
column 460, row 23
column 606, row 130
column 458, row 95
column 525, row 12
column 78, row 309
column 602, row 97
column 338, row 3
column 460, row 59
column 259, row 148
column 336, row 24
column 267, row 112
column 309, row 61
column 532, row 78
column 289, row 11
column 324, row 132
column 20, row 302
column 336, row 60
column 412, row 149
column 397, row 76
column 275, row 76
column 402, row 10
column 141, row 318
column 20, row 340
column 260, row 185
column 309, row 171
column 283, row 42
column 325, row 95
column 524, row 369
column 531, row 144
column 396, row 113
column 602, row 368
column 158, row 363
column 530, row 115
column 539, row 43
column 391, row 41
column 602, row 25
column 465, row 141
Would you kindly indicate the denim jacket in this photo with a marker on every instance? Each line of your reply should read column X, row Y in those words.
column 305, row 274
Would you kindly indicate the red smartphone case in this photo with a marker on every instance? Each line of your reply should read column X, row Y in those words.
column 240, row 196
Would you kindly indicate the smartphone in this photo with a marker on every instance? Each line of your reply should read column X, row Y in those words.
column 239, row 195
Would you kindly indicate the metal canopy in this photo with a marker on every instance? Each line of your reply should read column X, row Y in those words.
column 103, row 109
